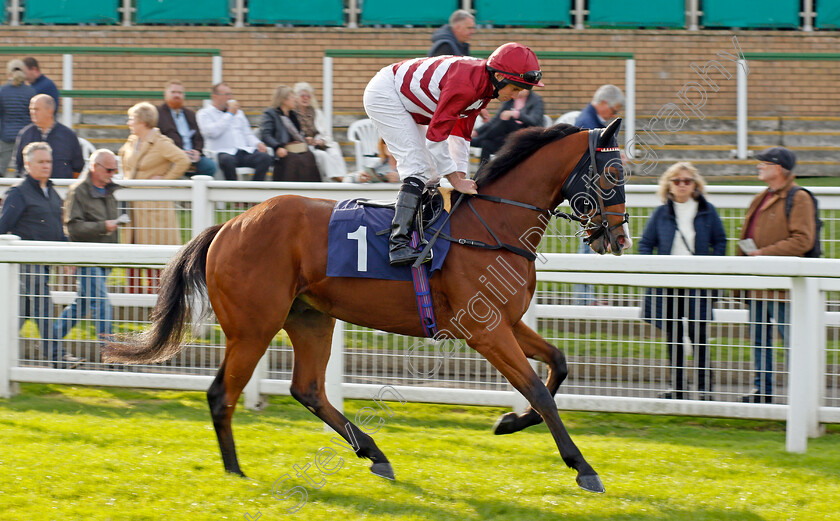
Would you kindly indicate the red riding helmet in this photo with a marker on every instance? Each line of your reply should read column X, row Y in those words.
column 517, row 64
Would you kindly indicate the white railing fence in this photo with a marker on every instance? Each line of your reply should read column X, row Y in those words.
column 617, row 361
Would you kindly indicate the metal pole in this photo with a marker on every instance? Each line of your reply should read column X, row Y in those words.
column 67, row 83
column 327, row 95
column 808, row 15
column 353, row 14
column 240, row 13
column 126, row 12
column 14, row 13
column 629, row 105
column 216, row 72
column 693, row 15
column 742, row 109
column 578, row 14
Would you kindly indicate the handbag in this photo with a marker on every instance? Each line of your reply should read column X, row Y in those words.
column 296, row 147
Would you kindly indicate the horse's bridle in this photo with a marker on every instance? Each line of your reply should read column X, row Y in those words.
column 593, row 191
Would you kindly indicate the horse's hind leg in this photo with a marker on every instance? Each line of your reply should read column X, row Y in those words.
column 311, row 334
column 535, row 347
column 241, row 357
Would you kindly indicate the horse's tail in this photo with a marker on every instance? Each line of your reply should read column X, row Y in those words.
column 183, row 285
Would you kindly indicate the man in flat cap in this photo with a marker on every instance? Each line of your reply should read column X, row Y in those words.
column 775, row 228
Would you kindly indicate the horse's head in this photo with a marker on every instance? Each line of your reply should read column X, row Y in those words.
column 595, row 191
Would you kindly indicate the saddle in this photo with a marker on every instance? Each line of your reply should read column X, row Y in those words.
column 432, row 204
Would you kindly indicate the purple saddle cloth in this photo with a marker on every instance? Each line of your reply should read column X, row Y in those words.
column 356, row 249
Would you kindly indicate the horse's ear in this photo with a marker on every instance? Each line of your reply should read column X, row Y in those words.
column 609, row 133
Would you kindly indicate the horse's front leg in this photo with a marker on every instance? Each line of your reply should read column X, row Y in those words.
column 500, row 348
column 535, row 347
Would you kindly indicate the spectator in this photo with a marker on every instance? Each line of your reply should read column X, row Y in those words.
column 432, row 139
column 32, row 211
column 90, row 214
column 318, row 134
column 773, row 232
column 229, row 134
column 606, row 103
column 280, row 129
column 178, row 124
column 14, row 111
column 453, row 38
column 39, row 82
column 68, row 161
column 148, row 154
column 686, row 224
column 523, row 111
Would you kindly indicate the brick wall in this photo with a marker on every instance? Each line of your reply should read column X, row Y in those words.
column 258, row 59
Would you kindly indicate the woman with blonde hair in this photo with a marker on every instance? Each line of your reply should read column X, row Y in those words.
column 686, row 224
column 148, row 154
column 281, row 131
column 14, row 111
column 318, row 134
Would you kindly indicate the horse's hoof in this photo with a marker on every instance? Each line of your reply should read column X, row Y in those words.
column 591, row 483
column 506, row 424
column 383, row 470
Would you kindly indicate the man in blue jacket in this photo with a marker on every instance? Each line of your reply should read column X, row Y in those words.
column 38, row 81
column 32, row 211
column 68, row 161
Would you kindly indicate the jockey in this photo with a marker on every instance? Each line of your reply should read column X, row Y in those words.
column 425, row 110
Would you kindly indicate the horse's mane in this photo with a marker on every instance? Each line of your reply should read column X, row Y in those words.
column 518, row 147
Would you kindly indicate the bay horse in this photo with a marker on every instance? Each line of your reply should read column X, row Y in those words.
column 265, row 270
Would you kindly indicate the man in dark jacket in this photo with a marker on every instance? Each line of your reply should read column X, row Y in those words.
column 454, row 38
column 66, row 151
column 40, row 82
column 32, row 211
column 91, row 216
column 178, row 123
column 526, row 110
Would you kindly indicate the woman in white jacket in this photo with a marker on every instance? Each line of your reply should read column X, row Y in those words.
column 318, row 134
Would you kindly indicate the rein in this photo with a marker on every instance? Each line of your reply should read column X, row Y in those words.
column 577, row 176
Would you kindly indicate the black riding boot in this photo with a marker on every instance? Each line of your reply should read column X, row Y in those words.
column 400, row 252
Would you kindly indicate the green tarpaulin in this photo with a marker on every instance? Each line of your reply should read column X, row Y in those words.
column 767, row 13
column 429, row 12
column 540, row 13
column 308, row 12
column 182, row 12
column 637, row 13
column 828, row 14
column 71, row 12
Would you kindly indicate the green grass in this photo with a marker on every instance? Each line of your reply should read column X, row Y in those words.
column 96, row 454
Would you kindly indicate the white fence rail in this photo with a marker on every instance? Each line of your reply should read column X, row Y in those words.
column 617, row 362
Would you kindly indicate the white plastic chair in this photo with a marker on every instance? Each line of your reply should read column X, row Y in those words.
column 547, row 121
column 568, row 118
column 87, row 149
column 365, row 139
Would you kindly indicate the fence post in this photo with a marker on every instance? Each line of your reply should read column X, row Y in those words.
column 255, row 400
column 807, row 304
column 14, row 13
column 334, row 377
column 579, row 13
column 67, row 84
column 520, row 403
column 9, row 296
column 202, row 210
